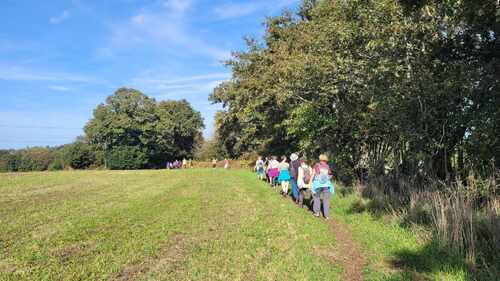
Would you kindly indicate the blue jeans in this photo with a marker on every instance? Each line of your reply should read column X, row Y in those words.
column 295, row 189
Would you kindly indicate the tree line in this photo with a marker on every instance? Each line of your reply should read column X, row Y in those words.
column 408, row 87
column 129, row 131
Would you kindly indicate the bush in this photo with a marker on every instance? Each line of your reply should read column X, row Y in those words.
column 80, row 155
column 57, row 164
column 31, row 159
column 126, row 158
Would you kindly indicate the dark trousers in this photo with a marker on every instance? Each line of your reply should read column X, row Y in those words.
column 326, row 201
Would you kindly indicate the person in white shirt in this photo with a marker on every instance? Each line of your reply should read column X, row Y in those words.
column 273, row 171
column 259, row 168
column 303, row 180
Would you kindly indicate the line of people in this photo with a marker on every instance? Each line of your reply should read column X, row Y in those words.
column 300, row 178
column 177, row 164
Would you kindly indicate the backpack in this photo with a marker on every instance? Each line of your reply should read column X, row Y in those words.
column 307, row 175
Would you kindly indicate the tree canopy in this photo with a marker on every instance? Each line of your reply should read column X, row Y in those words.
column 155, row 132
column 410, row 86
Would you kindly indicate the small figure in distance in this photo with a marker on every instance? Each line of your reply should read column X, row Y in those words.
column 259, row 168
column 184, row 163
column 226, row 164
column 214, row 163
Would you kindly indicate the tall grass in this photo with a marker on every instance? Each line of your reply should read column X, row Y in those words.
column 464, row 216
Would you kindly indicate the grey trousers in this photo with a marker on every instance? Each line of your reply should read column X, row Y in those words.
column 326, row 202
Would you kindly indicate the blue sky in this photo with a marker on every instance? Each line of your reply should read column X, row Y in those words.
column 60, row 59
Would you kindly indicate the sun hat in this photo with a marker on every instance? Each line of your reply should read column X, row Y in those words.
column 323, row 157
column 294, row 157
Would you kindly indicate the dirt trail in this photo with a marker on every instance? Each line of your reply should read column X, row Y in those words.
column 348, row 252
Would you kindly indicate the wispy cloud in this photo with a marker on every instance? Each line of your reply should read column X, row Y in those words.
column 236, row 10
column 58, row 88
column 233, row 10
column 167, row 27
column 178, row 6
column 60, row 18
column 162, row 87
column 18, row 73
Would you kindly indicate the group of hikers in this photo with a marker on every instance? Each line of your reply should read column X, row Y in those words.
column 226, row 163
column 178, row 164
column 299, row 177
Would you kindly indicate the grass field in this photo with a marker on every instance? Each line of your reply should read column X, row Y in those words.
column 189, row 225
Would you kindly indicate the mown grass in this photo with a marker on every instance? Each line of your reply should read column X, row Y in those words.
column 156, row 225
column 197, row 224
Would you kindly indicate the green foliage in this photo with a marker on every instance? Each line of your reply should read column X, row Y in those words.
column 78, row 155
column 409, row 87
column 158, row 131
column 30, row 159
column 126, row 158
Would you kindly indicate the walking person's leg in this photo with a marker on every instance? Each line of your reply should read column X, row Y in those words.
column 301, row 198
column 295, row 190
column 326, row 202
column 316, row 203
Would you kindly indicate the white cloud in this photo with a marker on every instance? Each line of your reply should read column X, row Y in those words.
column 180, row 87
column 178, row 6
column 60, row 18
column 18, row 73
column 163, row 27
column 236, row 10
column 59, row 88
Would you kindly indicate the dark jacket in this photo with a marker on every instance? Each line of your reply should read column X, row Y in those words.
column 294, row 169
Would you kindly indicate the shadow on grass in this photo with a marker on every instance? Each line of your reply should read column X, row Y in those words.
column 431, row 259
column 425, row 263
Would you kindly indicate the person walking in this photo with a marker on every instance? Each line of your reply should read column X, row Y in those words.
column 294, row 171
column 214, row 163
column 273, row 171
column 304, row 177
column 226, row 164
column 259, row 168
column 321, row 184
column 284, row 176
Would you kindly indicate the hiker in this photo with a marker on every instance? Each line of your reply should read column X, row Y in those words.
column 273, row 171
column 266, row 168
column 303, row 179
column 214, row 163
column 259, row 168
column 284, row 176
column 226, row 164
column 321, row 184
column 294, row 170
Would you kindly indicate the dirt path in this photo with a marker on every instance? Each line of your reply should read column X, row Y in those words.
column 348, row 252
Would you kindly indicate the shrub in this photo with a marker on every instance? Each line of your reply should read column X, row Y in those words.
column 79, row 155
column 126, row 158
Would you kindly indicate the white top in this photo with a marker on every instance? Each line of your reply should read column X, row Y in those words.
column 273, row 164
column 284, row 166
column 300, row 177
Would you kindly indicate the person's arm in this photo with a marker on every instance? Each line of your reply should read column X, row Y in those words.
column 300, row 178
